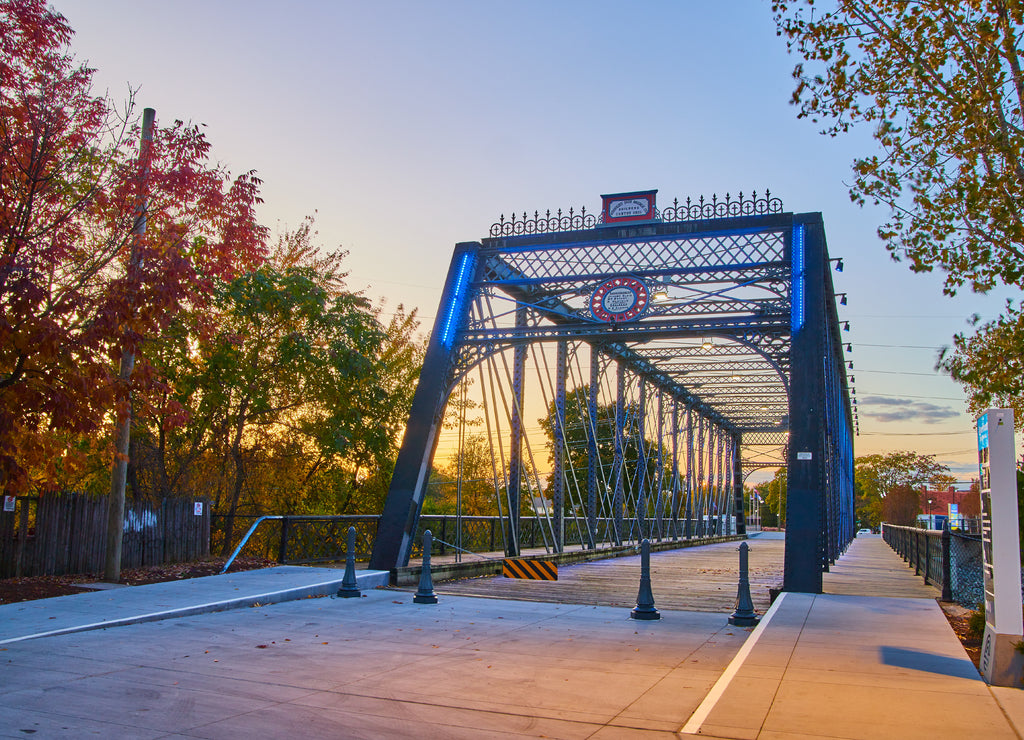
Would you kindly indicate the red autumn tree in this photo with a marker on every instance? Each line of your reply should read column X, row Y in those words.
column 970, row 504
column 71, row 300
column 901, row 505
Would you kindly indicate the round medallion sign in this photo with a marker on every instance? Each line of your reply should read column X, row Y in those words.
column 619, row 299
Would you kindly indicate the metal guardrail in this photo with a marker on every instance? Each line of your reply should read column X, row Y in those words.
column 304, row 539
column 245, row 540
column 948, row 560
column 311, row 538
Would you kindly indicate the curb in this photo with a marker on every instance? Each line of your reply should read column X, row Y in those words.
column 365, row 580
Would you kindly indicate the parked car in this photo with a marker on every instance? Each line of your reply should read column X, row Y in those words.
column 863, row 531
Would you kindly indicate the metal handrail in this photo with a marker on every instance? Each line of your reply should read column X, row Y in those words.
column 462, row 549
column 245, row 539
column 537, row 526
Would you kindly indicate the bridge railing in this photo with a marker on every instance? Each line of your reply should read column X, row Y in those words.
column 305, row 539
column 949, row 560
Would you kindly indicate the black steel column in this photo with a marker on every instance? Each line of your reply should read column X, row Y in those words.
column 674, row 506
column 724, row 485
column 716, row 478
column 689, row 472
column 558, row 475
column 701, row 483
column 641, row 464
column 659, row 470
column 617, row 473
column 737, row 485
column 515, row 455
column 804, row 498
column 593, row 461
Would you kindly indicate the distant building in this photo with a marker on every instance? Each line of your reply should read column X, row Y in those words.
column 938, row 505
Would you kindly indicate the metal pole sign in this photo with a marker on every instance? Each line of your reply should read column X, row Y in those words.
column 1001, row 664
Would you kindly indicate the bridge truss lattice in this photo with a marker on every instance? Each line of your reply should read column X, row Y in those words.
column 730, row 358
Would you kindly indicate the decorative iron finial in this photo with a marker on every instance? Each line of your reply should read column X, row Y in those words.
column 690, row 210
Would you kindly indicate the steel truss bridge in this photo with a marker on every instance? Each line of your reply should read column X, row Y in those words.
column 667, row 354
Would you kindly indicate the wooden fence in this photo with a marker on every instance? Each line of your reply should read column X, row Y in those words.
column 55, row 535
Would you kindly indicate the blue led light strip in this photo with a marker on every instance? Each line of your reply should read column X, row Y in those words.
column 454, row 310
column 798, row 279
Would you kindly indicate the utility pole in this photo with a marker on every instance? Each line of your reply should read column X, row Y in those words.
column 119, row 471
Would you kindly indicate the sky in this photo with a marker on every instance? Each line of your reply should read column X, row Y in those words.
column 409, row 126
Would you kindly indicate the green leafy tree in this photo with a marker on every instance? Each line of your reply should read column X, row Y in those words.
column 755, row 498
column 942, row 481
column 436, row 499
column 990, row 362
column 941, row 85
column 478, row 494
column 773, row 492
column 292, row 399
column 875, row 476
column 867, row 499
column 577, row 447
column 884, row 472
column 286, row 340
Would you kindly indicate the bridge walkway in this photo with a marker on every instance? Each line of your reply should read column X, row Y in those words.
column 872, row 657
column 702, row 578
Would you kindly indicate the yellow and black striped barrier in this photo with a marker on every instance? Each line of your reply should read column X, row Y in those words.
column 538, row 570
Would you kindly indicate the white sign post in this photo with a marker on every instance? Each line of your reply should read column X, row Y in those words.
column 1001, row 664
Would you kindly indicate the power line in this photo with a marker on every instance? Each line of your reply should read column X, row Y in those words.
column 905, row 316
column 897, row 346
column 913, row 434
column 903, row 395
column 898, row 372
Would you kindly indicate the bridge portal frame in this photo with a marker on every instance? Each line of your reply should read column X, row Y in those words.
column 799, row 335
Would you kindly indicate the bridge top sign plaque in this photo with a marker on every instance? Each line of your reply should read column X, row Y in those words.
column 626, row 207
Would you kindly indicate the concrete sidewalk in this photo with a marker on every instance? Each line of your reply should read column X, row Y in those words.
column 829, row 665
column 872, row 657
column 131, row 604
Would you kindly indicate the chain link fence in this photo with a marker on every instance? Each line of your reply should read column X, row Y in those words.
column 951, row 561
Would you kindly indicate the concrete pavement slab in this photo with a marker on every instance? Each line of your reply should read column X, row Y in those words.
column 109, row 608
column 833, row 665
column 378, row 666
column 896, row 670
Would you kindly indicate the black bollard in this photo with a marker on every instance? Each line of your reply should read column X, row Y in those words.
column 744, row 616
column 425, row 593
column 349, row 585
column 645, row 598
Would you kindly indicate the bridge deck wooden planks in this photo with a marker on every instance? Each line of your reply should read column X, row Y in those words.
column 691, row 579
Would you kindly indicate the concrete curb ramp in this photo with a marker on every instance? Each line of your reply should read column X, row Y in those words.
column 115, row 607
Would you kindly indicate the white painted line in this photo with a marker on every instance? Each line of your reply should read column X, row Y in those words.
column 692, row 726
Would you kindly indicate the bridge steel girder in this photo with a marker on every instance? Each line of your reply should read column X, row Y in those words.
column 592, row 449
column 737, row 484
column 515, row 460
column 394, row 541
column 738, row 284
column 558, row 444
